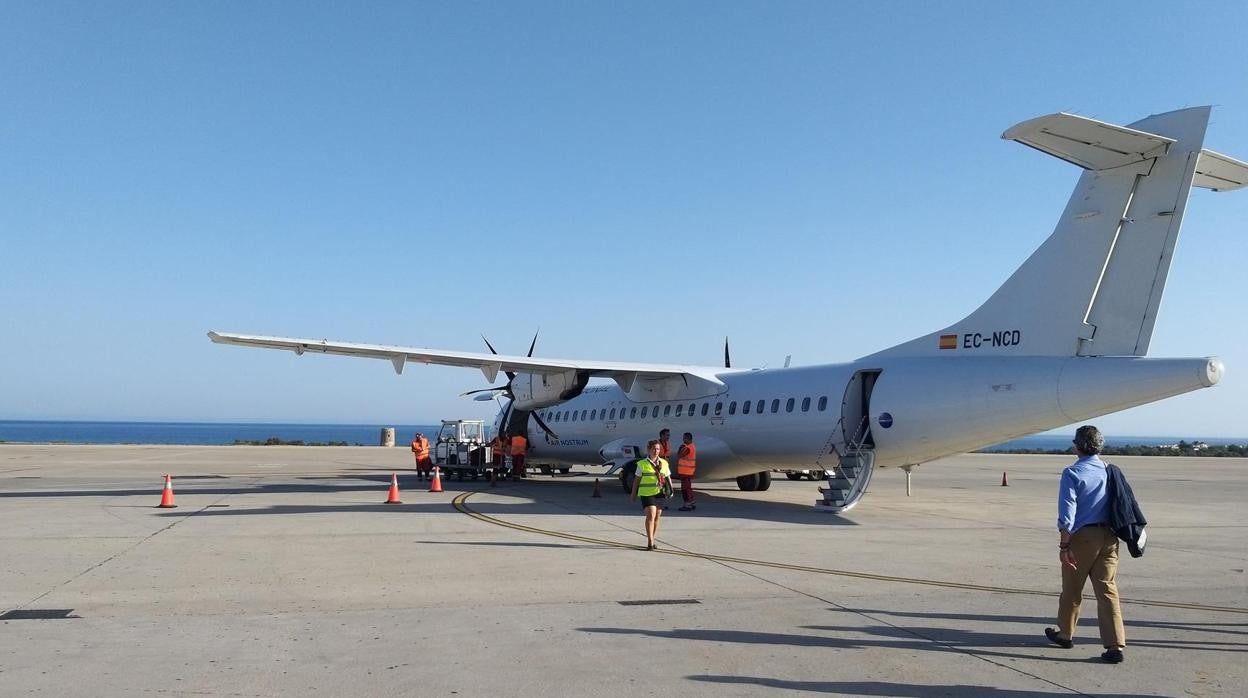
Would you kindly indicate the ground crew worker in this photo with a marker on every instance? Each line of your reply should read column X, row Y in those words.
column 506, row 451
column 496, row 453
column 686, row 466
column 519, row 444
column 648, row 485
column 665, row 451
column 420, row 450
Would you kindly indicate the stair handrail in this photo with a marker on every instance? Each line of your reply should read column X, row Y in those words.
column 830, row 444
column 859, row 436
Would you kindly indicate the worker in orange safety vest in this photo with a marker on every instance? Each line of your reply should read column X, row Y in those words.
column 665, row 451
column 519, row 444
column 420, row 451
column 497, row 452
column 686, row 466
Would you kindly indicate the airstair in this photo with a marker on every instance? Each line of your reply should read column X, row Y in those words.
column 848, row 482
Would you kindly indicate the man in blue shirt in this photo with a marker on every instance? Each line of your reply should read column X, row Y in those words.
column 1087, row 547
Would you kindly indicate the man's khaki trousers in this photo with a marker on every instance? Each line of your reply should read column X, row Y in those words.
column 1096, row 558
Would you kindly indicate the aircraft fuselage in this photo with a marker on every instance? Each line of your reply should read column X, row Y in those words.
column 908, row 410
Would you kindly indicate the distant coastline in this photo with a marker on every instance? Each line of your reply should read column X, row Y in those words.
column 260, row 433
column 202, row 433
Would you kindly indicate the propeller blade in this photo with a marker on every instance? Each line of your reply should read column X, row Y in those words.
column 533, row 344
column 491, row 346
column 498, row 389
column 727, row 361
column 545, row 428
column 510, row 375
column 483, row 398
column 502, row 424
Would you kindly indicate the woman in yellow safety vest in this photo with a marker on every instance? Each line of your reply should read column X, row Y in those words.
column 652, row 471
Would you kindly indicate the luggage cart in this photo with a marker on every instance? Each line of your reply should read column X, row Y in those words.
column 461, row 449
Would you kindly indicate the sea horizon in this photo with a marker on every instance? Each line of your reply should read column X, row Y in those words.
column 101, row 432
column 209, row 433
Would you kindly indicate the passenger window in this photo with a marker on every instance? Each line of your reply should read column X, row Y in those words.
column 583, row 414
column 643, row 412
column 759, row 407
column 612, row 413
column 805, row 404
column 823, row 403
column 705, row 407
column 732, row 407
column 593, row 414
column 788, row 406
column 602, row 414
column 679, row 409
column 574, row 416
column 745, row 407
column 719, row 408
column 691, row 408
column 632, row 414
column 775, row 406
column 667, row 410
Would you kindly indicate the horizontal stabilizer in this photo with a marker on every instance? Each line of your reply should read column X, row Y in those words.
column 1088, row 143
column 1220, row 173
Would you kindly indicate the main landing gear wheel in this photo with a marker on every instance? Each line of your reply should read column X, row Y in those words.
column 792, row 475
column 755, row 482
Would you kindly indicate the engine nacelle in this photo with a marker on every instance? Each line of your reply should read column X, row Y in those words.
column 533, row 391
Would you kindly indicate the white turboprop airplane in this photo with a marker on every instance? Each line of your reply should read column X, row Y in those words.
column 1060, row 342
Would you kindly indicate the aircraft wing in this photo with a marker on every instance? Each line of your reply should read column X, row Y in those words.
column 489, row 364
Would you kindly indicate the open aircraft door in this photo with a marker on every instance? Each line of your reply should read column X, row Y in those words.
column 855, row 411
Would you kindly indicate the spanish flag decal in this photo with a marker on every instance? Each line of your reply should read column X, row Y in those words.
column 948, row 341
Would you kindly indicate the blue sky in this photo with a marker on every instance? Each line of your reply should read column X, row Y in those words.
column 636, row 179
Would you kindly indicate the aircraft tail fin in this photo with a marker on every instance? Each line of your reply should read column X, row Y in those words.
column 1094, row 286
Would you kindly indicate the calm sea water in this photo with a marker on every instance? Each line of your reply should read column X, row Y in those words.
column 200, row 433
column 215, row 433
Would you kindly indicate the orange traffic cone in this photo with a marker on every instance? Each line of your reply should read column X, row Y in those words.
column 597, row 490
column 394, row 490
column 1004, row 481
column 493, row 479
column 166, row 496
column 437, row 480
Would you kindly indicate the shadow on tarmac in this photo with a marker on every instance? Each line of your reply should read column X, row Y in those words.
column 501, row 544
column 882, row 688
column 1089, row 621
column 895, row 639
column 540, row 494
